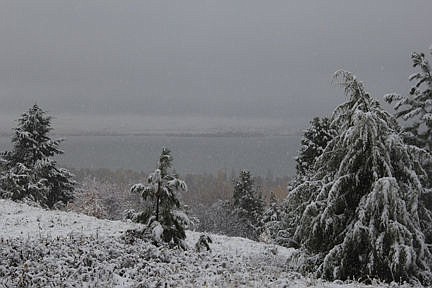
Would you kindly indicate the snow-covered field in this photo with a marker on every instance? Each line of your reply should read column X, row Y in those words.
column 58, row 249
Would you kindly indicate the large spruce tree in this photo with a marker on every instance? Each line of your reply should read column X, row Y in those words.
column 359, row 216
column 29, row 170
column 164, row 215
column 415, row 109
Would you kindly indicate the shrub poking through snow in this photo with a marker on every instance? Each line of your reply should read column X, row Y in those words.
column 164, row 219
column 203, row 242
column 359, row 216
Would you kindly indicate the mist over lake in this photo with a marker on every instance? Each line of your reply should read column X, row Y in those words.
column 193, row 154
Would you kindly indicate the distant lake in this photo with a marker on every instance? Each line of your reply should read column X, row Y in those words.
column 192, row 154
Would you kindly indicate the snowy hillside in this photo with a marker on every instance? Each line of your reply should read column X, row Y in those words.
column 57, row 249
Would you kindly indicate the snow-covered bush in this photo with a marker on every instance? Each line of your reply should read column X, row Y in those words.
column 113, row 189
column 164, row 218
column 88, row 200
column 203, row 242
column 359, row 217
column 220, row 218
column 29, row 171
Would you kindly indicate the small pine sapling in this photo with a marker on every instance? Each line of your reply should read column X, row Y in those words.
column 164, row 218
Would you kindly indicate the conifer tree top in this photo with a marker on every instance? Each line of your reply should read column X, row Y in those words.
column 31, row 140
column 416, row 107
column 165, row 162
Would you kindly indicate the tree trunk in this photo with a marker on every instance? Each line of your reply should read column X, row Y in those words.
column 157, row 201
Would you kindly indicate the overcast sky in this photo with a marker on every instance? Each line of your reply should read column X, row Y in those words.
column 213, row 59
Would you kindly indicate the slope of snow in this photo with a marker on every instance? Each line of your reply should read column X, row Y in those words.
column 59, row 249
column 20, row 220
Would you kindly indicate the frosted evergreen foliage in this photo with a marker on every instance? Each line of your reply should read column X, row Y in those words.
column 275, row 230
column 164, row 217
column 416, row 107
column 271, row 219
column 416, row 110
column 247, row 203
column 29, row 172
column 300, row 194
column 360, row 218
column 313, row 143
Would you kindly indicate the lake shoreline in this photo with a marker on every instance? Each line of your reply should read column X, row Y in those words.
column 193, row 154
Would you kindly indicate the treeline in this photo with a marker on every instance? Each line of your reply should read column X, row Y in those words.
column 112, row 187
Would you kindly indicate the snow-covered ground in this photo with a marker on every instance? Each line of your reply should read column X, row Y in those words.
column 59, row 249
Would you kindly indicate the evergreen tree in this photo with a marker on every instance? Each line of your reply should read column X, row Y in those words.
column 271, row 219
column 29, row 172
column 416, row 107
column 248, row 204
column 164, row 217
column 360, row 217
column 313, row 143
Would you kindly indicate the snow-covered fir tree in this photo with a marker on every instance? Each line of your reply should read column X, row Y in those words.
column 29, row 170
column 248, row 204
column 165, row 218
column 313, row 143
column 416, row 107
column 360, row 214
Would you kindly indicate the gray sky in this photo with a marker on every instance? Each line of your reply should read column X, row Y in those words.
column 202, row 59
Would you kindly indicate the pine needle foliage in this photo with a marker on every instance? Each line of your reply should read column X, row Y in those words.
column 416, row 107
column 248, row 204
column 313, row 143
